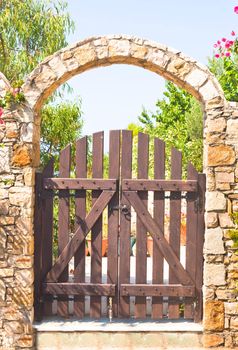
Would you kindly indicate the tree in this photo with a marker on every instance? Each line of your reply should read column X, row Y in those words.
column 30, row 30
column 177, row 121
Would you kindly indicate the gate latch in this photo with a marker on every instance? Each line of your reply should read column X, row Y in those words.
column 123, row 207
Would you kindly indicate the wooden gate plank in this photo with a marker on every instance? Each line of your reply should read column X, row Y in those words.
column 38, row 307
column 141, row 232
column 113, row 217
column 175, row 290
column 199, row 244
column 47, row 233
column 79, row 236
column 158, row 238
column 96, row 239
column 80, row 214
column 64, row 223
column 191, row 228
column 79, row 289
column 159, row 206
column 175, row 225
column 125, row 223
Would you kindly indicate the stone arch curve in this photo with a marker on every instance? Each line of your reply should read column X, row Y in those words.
column 122, row 49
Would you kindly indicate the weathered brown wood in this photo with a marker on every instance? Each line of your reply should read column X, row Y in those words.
column 113, row 217
column 158, row 259
column 159, row 185
column 80, row 214
column 47, row 234
column 158, row 238
column 191, row 228
column 141, row 232
column 125, row 223
column 156, row 290
column 96, row 238
column 63, row 223
column 38, row 307
column 199, row 245
column 92, row 289
column 79, row 236
column 175, row 226
column 80, row 183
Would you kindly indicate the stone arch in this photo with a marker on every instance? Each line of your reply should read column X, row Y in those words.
column 121, row 49
column 19, row 155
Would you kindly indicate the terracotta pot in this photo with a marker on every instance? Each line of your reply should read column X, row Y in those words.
column 104, row 246
column 150, row 246
column 183, row 234
column 88, row 247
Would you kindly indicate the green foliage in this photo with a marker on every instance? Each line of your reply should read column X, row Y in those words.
column 234, row 232
column 61, row 125
column 30, row 30
column 177, row 121
column 226, row 71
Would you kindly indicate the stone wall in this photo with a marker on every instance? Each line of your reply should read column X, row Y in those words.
column 19, row 155
column 221, row 258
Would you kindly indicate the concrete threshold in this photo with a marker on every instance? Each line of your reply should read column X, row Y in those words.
column 103, row 325
column 57, row 334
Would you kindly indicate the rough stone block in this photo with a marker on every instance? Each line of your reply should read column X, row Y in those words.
column 214, row 241
column 215, row 201
column 231, row 308
column 234, row 323
column 225, row 220
column 221, row 155
column 214, row 274
column 217, row 125
column 211, row 220
column 4, row 160
column 208, row 91
column 196, row 78
column 232, row 129
column 24, row 277
column 211, row 340
column 21, row 155
column 21, row 196
column 214, row 315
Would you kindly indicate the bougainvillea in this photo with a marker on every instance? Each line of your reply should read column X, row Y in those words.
column 224, row 63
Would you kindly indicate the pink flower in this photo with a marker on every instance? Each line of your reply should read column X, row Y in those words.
column 231, row 42
column 227, row 44
column 217, row 55
column 1, row 121
column 233, row 33
column 215, row 45
column 236, row 9
column 1, row 111
column 228, row 54
column 218, row 41
column 223, row 39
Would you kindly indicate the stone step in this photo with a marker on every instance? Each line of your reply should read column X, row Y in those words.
column 94, row 335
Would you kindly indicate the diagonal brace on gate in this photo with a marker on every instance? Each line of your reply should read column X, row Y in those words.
column 158, row 237
column 79, row 236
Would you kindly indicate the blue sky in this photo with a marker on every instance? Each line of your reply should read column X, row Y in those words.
column 112, row 97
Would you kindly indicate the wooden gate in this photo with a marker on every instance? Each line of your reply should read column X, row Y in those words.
column 89, row 199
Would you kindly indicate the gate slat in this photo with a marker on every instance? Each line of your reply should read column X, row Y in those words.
column 80, row 214
column 47, row 233
column 191, row 248
column 141, row 231
column 64, row 221
column 125, row 223
column 159, row 206
column 199, row 244
column 175, row 224
column 113, row 217
column 38, row 249
column 96, row 233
